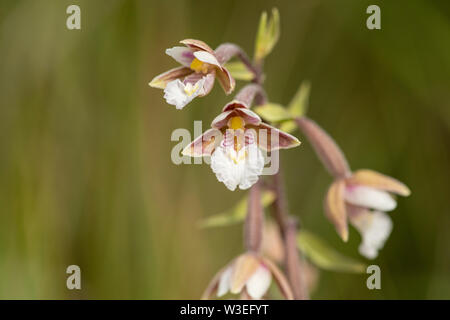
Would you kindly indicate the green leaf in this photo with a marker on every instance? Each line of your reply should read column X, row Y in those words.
column 299, row 103
column 239, row 71
column 324, row 256
column 268, row 34
column 235, row 214
column 288, row 126
column 273, row 112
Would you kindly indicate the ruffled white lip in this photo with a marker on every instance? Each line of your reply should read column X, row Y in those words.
column 375, row 228
column 180, row 94
column 237, row 168
column 369, row 198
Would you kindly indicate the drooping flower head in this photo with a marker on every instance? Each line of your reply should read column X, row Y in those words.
column 362, row 197
column 235, row 144
column 200, row 66
column 249, row 274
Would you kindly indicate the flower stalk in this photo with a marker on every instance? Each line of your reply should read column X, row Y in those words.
column 288, row 229
column 254, row 221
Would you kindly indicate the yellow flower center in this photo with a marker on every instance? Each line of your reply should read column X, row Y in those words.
column 236, row 123
column 189, row 89
column 199, row 66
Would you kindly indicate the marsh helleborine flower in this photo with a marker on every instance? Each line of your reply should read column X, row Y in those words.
column 251, row 274
column 235, row 142
column 363, row 197
column 195, row 77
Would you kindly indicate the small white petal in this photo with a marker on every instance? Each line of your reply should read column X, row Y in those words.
column 182, row 55
column 224, row 283
column 370, row 198
column 259, row 282
column 207, row 57
column 374, row 227
column 179, row 94
column 240, row 168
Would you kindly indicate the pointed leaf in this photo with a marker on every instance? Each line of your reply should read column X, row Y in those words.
column 268, row 34
column 288, row 126
column 273, row 112
column 239, row 71
column 299, row 104
column 326, row 257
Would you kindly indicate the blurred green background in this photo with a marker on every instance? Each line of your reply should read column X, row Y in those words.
column 85, row 170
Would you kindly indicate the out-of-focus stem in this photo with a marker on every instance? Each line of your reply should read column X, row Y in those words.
column 293, row 258
column 254, row 221
column 327, row 150
column 288, row 229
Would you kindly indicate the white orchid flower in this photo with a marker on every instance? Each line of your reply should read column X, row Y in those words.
column 249, row 275
column 235, row 144
column 195, row 78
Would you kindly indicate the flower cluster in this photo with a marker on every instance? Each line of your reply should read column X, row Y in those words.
column 238, row 144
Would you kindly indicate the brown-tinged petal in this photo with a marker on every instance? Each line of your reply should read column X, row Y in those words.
column 244, row 295
column 335, row 208
column 235, row 104
column 249, row 117
column 273, row 245
column 270, row 138
column 163, row 79
column 327, row 150
column 203, row 145
column 197, row 44
column 227, row 51
column 221, row 120
column 193, row 78
column 213, row 285
column 377, row 180
column 280, row 279
column 225, row 79
column 244, row 267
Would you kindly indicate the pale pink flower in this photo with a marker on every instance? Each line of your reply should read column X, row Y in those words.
column 235, row 144
column 251, row 274
column 195, row 78
column 361, row 196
